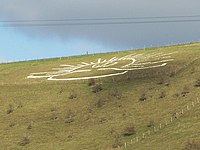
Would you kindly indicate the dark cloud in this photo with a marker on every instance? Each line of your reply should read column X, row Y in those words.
column 116, row 36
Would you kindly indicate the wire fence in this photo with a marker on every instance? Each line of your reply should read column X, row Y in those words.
column 163, row 124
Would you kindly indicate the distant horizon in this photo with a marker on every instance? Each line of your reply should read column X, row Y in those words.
column 58, row 57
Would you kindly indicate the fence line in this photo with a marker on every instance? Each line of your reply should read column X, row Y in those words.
column 161, row 126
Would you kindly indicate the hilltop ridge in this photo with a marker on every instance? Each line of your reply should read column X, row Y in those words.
column 102, row 101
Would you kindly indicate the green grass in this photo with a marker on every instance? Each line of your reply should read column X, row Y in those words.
column 93, row 127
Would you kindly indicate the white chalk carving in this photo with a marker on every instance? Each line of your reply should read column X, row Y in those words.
column 112, row 67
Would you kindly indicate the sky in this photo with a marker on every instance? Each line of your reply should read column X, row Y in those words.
column 24, row 43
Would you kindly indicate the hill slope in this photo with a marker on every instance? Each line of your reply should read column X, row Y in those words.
column 36, row 113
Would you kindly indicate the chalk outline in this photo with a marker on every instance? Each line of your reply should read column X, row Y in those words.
column 138, row 62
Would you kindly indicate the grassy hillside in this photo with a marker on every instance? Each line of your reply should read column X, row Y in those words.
column 68, row 115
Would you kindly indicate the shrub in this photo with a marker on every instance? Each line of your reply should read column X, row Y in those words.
column 100, row 102
column 118, row 142
column 20, row 105
column 143, row 97
column 12, row 124
column 29, row 126
column 161, row 80
column 172, row 74
column 197, row 83
column 97, row 88
column 10, row 109
column 185, row 91
column 150, row 123
column 25, row 140
column 176, row 95
column 53, row 115
column 116, row 93
column 162, row 94
column 128, row 131
column 61, row 90
column 69, row 117
column 91, row 82
column 102, row 120
column 72, row 95
column 192, row 145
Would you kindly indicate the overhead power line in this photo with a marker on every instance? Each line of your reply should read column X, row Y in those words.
column 96, row 23
column 97, row 19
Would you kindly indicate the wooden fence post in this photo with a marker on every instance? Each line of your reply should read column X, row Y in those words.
column 143, row 136
column 125, row 145
column 149, row 132
column 166, row 122
column 154, row 129
column 182, row 111
column 192, row 104
column 137, row 140
column 160, row 126
column 197, row 100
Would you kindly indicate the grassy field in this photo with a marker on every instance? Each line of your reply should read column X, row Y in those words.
column 39, row 114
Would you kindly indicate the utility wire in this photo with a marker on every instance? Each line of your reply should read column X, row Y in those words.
column 98, row 23
column 98, row 19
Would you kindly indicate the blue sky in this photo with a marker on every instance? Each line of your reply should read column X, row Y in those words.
column 44, row 42
column 14, row 46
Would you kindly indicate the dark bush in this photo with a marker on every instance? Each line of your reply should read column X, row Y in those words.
column 172, row 74
column 161, row 80
column 69, row 117
column 116, row 93
column 143, row 97
column 72, row 95
column 54, row 115
column 192, row 145
column 197, row 83
column 100, row 102
column 128, row 131
column 162, row 94
column 97, row 88
column 12, row 124
column 150, row 123
column 10, row 109
column 118, row 142
column 167, row 84
column 61, row 90
column 185, row 91
column 91, row 82
column 20, row 105
column 25, row 140
column 176, row 95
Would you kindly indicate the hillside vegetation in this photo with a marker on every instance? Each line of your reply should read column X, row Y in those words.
column 103, row 113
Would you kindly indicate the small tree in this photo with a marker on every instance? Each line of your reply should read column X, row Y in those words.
column 97, row 88
column 197, row 83
column 91, row 82
column 150, row 123
column 69, row 117
column 192, row 145
column 72, row 95
column 116, row 93
column 117, row 140
column 29, row 127
column 161, row 80
column 185, row 91
column 130, row 130
column 143, row 97
column 10, row 109
column 100, row 102
column 24, row 141
column 162, row 94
